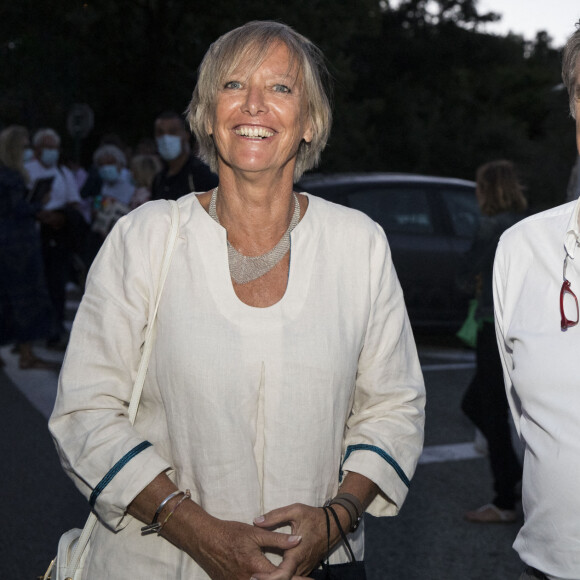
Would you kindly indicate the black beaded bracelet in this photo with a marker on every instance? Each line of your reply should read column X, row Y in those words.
column 352, row 505
column 341, row 532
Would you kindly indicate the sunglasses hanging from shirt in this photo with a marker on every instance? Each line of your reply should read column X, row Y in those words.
column 568, row 302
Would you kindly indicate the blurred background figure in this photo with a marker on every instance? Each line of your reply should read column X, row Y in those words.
column 502, row 204
column 111, row 201
column 111, row 164
column 24, row 301
column 63, row 227
column 45, row 163
column 93, row 183
column 183, row 171
column 144, row 168
column 146, row 146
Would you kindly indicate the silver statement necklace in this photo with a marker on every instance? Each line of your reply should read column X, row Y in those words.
column 244, row 269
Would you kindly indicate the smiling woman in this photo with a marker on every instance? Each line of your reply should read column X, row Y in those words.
column 242, row 51
column 275, row 395
column 261, row 120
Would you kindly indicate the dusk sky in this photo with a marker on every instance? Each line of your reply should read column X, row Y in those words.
column 526, row 17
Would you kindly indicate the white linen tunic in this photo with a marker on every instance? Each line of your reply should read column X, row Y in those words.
column 541, row 370
column 250, row 408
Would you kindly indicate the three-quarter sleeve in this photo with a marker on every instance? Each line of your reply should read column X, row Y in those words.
column 384, row 435
column 106, row 457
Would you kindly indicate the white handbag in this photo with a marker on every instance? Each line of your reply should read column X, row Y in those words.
column 73, row 545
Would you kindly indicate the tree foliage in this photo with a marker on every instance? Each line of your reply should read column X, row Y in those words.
column 418, row 86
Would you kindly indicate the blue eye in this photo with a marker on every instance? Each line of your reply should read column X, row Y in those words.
column 233, row 85
column 282, row 89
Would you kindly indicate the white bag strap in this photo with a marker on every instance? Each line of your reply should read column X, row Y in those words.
column 148, row 344
column 139, row 380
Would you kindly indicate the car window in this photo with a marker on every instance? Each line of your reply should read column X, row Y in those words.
column 397, row 209
column 463, row 211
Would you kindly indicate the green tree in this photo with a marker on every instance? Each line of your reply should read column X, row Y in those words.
column 448, row 98
column 418, row 86
column 130, row 60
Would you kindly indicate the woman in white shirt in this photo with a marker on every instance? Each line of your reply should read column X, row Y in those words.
column 284, row 363
column 536, row 281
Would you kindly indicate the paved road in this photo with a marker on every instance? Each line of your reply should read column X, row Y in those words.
column 38, row 502
column 427, row 541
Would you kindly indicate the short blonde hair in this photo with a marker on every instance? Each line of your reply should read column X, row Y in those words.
column 499, row 188
column 12, row 144
column 144, row 168
column 252, row 42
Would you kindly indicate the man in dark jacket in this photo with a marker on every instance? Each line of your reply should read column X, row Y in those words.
column 183, row 171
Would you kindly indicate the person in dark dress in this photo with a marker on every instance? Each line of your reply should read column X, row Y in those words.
column 25, row 310
column 502, row 204
column 183, row 172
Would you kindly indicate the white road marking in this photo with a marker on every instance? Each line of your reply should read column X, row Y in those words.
column 38, row 386
column 454, row 452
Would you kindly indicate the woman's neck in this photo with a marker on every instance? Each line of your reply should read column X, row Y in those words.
column 254, row 208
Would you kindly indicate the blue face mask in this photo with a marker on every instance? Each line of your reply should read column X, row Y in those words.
column 49, row 157
column 109, row 173
column 169, row 147
column 27, row 155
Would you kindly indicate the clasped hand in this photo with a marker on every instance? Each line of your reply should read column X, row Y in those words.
column 233, row 550
column 309, row 524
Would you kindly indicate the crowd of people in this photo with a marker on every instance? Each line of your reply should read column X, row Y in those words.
column 55, row 215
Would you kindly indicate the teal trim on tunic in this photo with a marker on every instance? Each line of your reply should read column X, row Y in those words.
column 381, row 453
column 115, row 469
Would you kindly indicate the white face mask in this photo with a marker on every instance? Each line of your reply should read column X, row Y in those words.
column 169, row 147
column 109, row 173
column 27, row 155
column 49, row 157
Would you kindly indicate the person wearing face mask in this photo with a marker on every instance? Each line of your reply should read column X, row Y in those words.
column 44, row 163
column 112, row 200
column 111, row 163
column 24, row 303
column 63, row 228
column 183, row 171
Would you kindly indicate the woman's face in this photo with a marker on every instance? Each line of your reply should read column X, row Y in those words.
column 261, row 118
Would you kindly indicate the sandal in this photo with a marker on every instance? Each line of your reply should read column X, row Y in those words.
column 491, row 514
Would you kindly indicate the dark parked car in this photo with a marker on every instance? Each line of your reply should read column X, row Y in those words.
column 429, row 222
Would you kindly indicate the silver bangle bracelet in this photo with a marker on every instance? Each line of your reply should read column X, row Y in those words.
column 154, row 526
